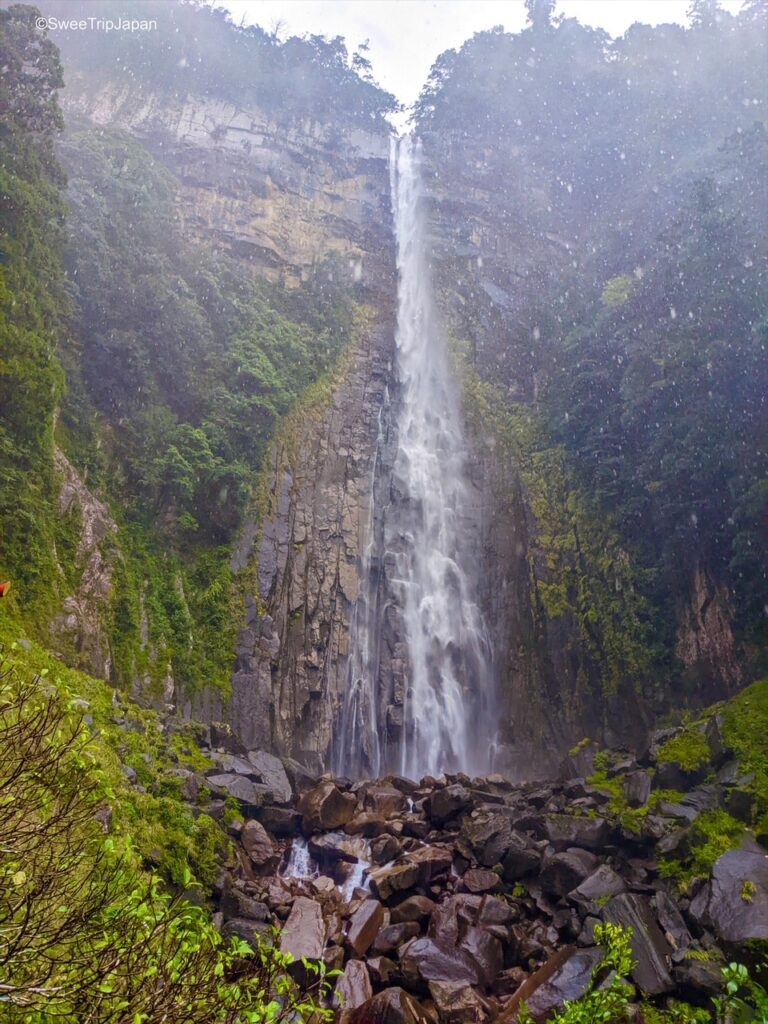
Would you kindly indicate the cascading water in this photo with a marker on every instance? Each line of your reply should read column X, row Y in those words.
column 447, row 705
column 430, row 710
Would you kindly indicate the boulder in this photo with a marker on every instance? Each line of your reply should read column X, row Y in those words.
column 244, row 928
column 395, row 935
column 250, row 795
column 562, row 872
column 299, row 776
column 444, row 804
column 392, row 1006
column 597, row 889
column 414, row 908
column 734, row 902
column 364, row 925
column 650, row 950
column 384, row 801
column 486, row 838
column 423, row 960
column 457, row 1002
column 570, row 981
column 271, row 772
column 672, row 924
column 381, row 969
column 331, row 847
column 480, row 880
column 258, row 843
column 521, row 859
column 282, row 822
column 367, row 824
column 564, row 831
column 325, row 807
column 637, row 788
column 303, row 934
column 699, row 976
column 387, row 882
column 353, row 987
column 565, row 976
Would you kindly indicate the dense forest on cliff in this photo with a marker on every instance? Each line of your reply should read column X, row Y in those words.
column 198, row 401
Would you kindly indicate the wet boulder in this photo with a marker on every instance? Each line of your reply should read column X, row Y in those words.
column 650, row 950
column 485, row 837
column 564, row 977
column 325, row 807
column 457, row 1002
column 330, row 847
column 478, row 880
column 353, row 987
column 562, row 872
column 734, row 902
column 392, row 1006
column 384, row 801
column 522, row 858
column 564, row 831
column 364, row 926
column 444, row 804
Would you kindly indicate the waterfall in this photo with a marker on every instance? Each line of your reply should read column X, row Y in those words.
column 447, row 704
column 424, row 705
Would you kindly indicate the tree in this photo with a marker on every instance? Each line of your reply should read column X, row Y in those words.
column 704, row 13
column 84, row 934
column 540, row 14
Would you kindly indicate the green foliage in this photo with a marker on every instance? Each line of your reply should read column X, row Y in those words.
column 33, row 304
column 745, row 728
column 711, row 835
column 689, row 750
column 745, row 999
column 88, row 936
column 638, row 334
column 586, row 574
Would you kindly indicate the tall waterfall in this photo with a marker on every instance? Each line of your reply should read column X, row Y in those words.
column 434, row 713
column 447, row 706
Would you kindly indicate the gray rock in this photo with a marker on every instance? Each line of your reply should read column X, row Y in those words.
column 734, row 903
column 303, row 934
column 392, row 1006
column 353, row 987
column 258, row 843
column 562, row 872
column 650, row 950
column 271, row 772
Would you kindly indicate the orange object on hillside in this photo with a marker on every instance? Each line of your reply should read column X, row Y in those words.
column 4, row 588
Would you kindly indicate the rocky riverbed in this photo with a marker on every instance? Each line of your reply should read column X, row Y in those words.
column 452, row 899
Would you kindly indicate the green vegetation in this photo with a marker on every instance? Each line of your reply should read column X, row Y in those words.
column 87, row 934
column 619, row 292
column 689, row 750
column 577, row 567
column 33, row 304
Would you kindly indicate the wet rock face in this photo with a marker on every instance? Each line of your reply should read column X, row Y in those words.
column 293, row 647
column 80, row 625
column 429, row 932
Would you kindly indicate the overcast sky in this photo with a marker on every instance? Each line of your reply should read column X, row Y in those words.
column 407, row 35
